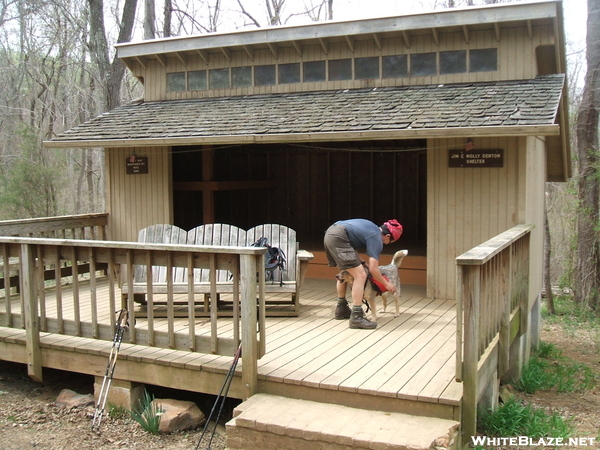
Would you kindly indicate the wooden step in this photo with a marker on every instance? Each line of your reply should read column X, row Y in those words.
column 412, row 271
column 269, row 422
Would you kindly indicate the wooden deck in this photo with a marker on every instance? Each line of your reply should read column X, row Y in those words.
column 406, row 365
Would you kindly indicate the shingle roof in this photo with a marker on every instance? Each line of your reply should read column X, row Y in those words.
column 506, row 107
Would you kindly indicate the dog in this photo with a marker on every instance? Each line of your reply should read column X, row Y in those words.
column 370, row 294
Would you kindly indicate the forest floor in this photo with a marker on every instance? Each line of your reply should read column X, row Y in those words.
column 30, row 418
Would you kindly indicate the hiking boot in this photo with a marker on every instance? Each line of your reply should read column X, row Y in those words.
column 342, row 311
column 359, row 321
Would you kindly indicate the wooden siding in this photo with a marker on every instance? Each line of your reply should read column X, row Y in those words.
column 516, row 60
column 467, row 206
column 137, row 201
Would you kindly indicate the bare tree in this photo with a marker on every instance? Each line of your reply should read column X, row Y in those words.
column 110, row 70
column 168, row 13
column 149, row 19
column 587, row 275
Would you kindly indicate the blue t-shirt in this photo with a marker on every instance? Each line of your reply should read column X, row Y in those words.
column 363, row 235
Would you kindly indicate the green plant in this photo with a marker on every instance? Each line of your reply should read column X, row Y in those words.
column 549, row 370
column 117, row 412
column 535, row 376
column 147, row 413
column 548, row 350
column 514, row 418
column 574, row 377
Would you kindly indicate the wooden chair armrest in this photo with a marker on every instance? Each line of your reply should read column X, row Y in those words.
column 304, row 255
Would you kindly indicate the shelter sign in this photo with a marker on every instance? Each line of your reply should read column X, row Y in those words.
column 476, row 158
column 136, row 165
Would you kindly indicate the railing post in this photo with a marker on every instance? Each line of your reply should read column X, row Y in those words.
column 470, row 300
column 32, row 320
column 248, row 269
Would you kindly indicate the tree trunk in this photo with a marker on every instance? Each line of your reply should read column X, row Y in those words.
column 587, row 275
column 149, row 19
column 168, row 11
column 111, row 73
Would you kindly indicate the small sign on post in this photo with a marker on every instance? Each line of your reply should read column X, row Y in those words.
column 136, row 165
column 476, row 158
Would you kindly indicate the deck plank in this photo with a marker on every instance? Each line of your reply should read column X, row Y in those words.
column 357, row 373
column 312, row 374
column 427, row 370
column 410, row 343
column 411, row 357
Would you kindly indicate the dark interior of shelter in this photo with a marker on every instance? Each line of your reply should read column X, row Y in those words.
column 308, row 186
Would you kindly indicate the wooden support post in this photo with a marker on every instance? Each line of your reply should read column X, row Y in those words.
column 249, row 268
column 471, row 302
column 208, row 195
column 504, row 341
column 32, row 324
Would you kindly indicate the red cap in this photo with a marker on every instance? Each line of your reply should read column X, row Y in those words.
column 394, row 228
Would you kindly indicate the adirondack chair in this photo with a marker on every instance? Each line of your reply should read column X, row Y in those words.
column 296, row 260
column 222, row 235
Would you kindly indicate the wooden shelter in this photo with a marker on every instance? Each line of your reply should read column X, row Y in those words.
column 310, row 124
column 450, row 121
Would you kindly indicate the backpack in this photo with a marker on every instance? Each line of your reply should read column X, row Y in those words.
column 274, row 259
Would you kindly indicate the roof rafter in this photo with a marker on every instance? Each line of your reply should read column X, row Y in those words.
column 350, row 43
column 249, row 51
column 274, row 49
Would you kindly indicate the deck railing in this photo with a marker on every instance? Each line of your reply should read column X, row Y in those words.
column 492, row 309
column 77, row 310
column 83, row 226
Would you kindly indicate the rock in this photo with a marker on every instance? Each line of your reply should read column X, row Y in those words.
column 72, row 399
column 178, row 415
column 507, row 391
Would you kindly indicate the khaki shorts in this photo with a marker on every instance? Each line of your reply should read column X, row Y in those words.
column 339, row 252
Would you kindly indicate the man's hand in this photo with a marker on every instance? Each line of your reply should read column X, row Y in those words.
column 376, row 273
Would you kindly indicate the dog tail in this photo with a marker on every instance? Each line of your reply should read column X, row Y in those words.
column 398, row 257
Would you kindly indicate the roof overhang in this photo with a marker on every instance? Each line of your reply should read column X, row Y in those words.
column 466, row 20
column 530, row 130
column 501, row 108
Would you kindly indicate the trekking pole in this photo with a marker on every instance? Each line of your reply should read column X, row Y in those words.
column 121, row 325
column 221, row 397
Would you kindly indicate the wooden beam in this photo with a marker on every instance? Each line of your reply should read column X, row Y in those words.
column 377, row 39
column 324, row 46
column 466, row 33
column 497, row 30
column 435, row 36
column 203, row 55
column 226, row 52
column 142, row 61
column 223, row 185
column 298, row 47
column 249, row 51
column 181, row 57
column 162, row 59
column 530, row 29
column 208, row 196
column 350, row 43
column 406, row 37
column 250, row 266
column 274, row 49
column 30, row 303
